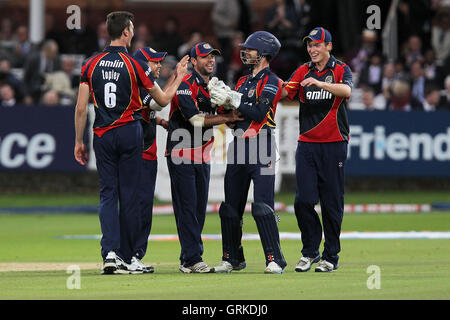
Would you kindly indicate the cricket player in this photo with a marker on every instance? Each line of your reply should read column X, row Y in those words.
column 322, row 86
column 252, row 155
column 113, row 78
column 189, row 141
column 149, row 168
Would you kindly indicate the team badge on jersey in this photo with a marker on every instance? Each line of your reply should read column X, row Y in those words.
column 329, row 79
column 251, row 93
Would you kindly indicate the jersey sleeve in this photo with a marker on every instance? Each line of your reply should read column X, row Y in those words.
column 144, row 75
column 187, row 101
column 347, row 77
column 145, row 97
column 293, row 84
column 83, row 76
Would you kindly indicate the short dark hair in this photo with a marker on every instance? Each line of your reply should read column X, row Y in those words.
column 118, row 21
column 430, row 86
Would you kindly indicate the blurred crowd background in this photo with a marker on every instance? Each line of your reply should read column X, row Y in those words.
column 47, row 73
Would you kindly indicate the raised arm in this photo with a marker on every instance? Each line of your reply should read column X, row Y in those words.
column 163, row 98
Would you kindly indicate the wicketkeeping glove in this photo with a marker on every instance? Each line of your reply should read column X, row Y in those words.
column 227, row 98
column 214, row 82
column 233, row 99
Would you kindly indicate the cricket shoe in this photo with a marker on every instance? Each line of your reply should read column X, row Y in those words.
column 140, row 265
column 125, row 268
column 199, row 267
column 184, row 269
column 305, row 263
column 223, row 267
column 273, row 267
column 325, row 266
column 109, row 264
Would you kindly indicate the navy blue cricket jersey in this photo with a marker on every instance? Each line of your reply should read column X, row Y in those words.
column 260, row 96
column 114, row 78
column 192, row 98
column 322, row 116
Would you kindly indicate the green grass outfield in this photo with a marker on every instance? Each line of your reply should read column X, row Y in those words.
column 410, row 269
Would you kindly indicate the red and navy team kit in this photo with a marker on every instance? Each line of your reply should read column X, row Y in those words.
column 149, row 171
column 188, row 154
column 114, row 79
column 251, row 156
column 320, row 157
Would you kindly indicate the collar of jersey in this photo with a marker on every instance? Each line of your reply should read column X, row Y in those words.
column 198, row 78
column 261, row 74
column 115, row 49
column 331, row 64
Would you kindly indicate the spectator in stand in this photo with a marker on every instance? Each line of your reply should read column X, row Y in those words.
column 142, row 33
column 303, row 9
column 236, row 68
column 194, row 38
column 169, row 39
column 360, row 58
column 400, row 70
column 6, row 39
column 368, row 99
column 444, row 102
column 400, row 98
column 413, row 51
column 50, row 98
column 7, row 77
column 418, row 81
column 59, row 81
column 281, row 18
column 68, row 66
column 282, row 21
column 102, row 36
column 7, row 96
column 6, row 30
column 372, row 74
column 22, row 47
column 429, row 64
column 440, row 33
column 432, row 97
column 44, row 61
column 225, row 16
column 388, row 78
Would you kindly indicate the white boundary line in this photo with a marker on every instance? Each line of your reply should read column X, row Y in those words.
column 296, row 236
column 348, row 208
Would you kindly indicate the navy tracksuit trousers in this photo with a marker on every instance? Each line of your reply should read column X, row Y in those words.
column 146, row 193
column 118, row 155
column 320, row 177
column 244, row 165
column 190, row 186
column 250, row 160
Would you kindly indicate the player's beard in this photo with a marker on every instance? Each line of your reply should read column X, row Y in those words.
column 204, row 72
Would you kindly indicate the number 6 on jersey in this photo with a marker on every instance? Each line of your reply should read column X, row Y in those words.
column 110, row 95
